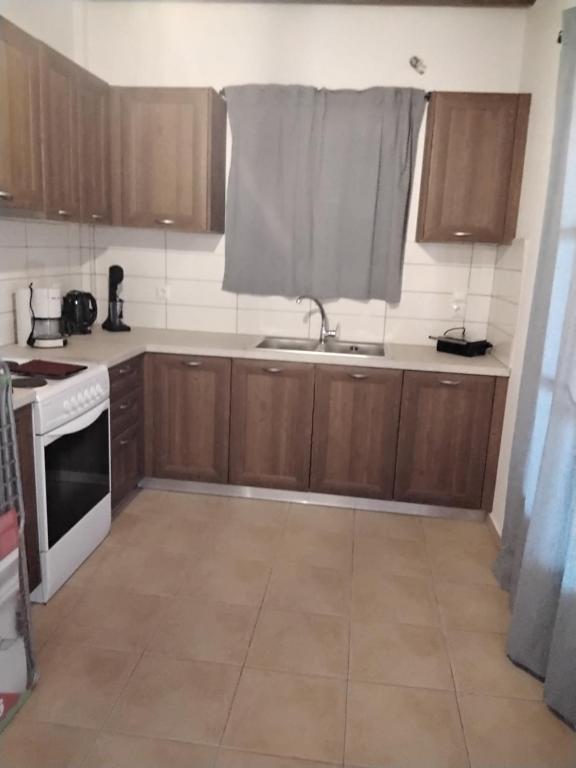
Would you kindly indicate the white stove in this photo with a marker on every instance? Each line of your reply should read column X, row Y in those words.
column 72, row 462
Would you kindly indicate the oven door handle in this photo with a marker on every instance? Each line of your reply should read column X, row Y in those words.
column 82, row 422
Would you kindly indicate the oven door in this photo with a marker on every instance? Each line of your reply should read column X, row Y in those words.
column 75, row 471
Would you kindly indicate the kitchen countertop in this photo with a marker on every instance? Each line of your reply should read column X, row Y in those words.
column 114, row 348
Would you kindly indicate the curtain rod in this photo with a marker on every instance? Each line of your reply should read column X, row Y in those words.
column 222, row 93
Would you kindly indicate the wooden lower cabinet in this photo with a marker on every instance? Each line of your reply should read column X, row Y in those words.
column 356, row 415
column 443, row 438
column 271, row 427
column 25, row 437
column 126, row 428
column 188, row 417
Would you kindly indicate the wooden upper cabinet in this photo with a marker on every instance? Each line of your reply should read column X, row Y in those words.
column 443, row 438
column 188, row 403
column 271, row 428
column 93, row 97
column 59, row 100
column 169, row 148
column 20, row 155
column 356, row 414
column 473, row 162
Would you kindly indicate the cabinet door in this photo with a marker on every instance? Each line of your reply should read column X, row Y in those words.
column 60, row 136
column 473, row 163
column 443, row 438
column 126, row 452
column 25, row 437
column 356, row 414
column 166, row 145
column 94, row 149
column 126, row 428
column 271, row 429
column 190, row 423
column 20, row 155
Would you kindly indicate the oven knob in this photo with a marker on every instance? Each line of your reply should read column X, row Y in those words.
column 99, row 389
column 81, row 398
column 67, row 406
column 74, row 402
column 93, row 393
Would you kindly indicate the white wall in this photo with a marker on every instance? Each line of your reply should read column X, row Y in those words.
column 539, row 75
column 53, row 21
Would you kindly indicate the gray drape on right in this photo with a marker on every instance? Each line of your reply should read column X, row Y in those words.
column 537, row 563
column 319, row 189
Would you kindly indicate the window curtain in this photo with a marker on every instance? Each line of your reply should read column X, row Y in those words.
column 319, row 189
column 537, row 563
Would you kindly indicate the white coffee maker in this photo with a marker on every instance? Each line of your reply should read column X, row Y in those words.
column 39, row 317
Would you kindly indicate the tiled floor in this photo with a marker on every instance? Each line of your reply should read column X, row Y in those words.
column 217, row 633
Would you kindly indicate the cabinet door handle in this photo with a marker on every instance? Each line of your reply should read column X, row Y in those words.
column 124, row 371
column 192, row 363
column 124, row 406
column 64, row 213
column 5, row 195
column 165, row 222
column 125, row 441
column 273, row 370
column 450, row 382
column 358, row 376
column 96, row 217
column 462, row 234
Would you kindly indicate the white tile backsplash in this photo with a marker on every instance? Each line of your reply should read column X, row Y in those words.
column 174, row 280
column 507, row 285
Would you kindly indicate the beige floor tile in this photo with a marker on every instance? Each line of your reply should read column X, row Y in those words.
column 26, row 744
column 78, row 684
column 230, row 758
column 290, row 715
column 383, row 525
column 481, row 667
column 320, row 518
column 405, row 558
column 258, row 511
column 400, row 654
column 165, row 531
column 473, row 607
column 116, row 751
column 303, row 643
column 227, row 579
column 393, row 598
column 249, row 541
column 403, row 728
column 207, row 631
column 139, row 570
column 47, row 618
column 452, row 562
column 186, row 506
column 510, row 733
column 176, row 699
column 439, row 532
column 301, row 587
column 324, row 549
column 86, row 575
column 110, row 617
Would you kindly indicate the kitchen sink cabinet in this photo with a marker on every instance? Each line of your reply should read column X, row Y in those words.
column 126, row 428
column 444, row 436
column 271, row 424
column 472, row 171
column 20, row 156
column 93, row 97
column 59, row 121
column 169, row 155
column 356, row 416
column 25, row 438
column 187, row 417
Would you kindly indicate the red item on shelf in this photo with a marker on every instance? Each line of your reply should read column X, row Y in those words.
column 9, row 533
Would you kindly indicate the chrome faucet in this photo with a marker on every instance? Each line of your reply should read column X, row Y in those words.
column 325, row 332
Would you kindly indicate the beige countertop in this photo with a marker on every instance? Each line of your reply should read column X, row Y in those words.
column 113, row 348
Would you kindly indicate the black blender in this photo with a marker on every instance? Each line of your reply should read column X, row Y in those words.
column 114, row 321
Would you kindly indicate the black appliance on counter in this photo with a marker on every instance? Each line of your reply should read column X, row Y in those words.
column 115, row 321
column 79, row 310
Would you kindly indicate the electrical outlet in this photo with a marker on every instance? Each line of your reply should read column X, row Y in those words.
column 458, row 305
column 163, row 292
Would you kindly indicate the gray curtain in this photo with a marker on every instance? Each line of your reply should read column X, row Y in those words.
column 319, row 190
column 538, row 559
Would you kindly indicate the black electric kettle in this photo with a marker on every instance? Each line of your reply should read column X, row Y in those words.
column 79, row 312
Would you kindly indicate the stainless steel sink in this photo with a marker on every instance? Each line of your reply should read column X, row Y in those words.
column 294, row 345
column 354, row 348
column 363, row 349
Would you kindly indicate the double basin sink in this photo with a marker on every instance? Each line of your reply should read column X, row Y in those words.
column 330, row 346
